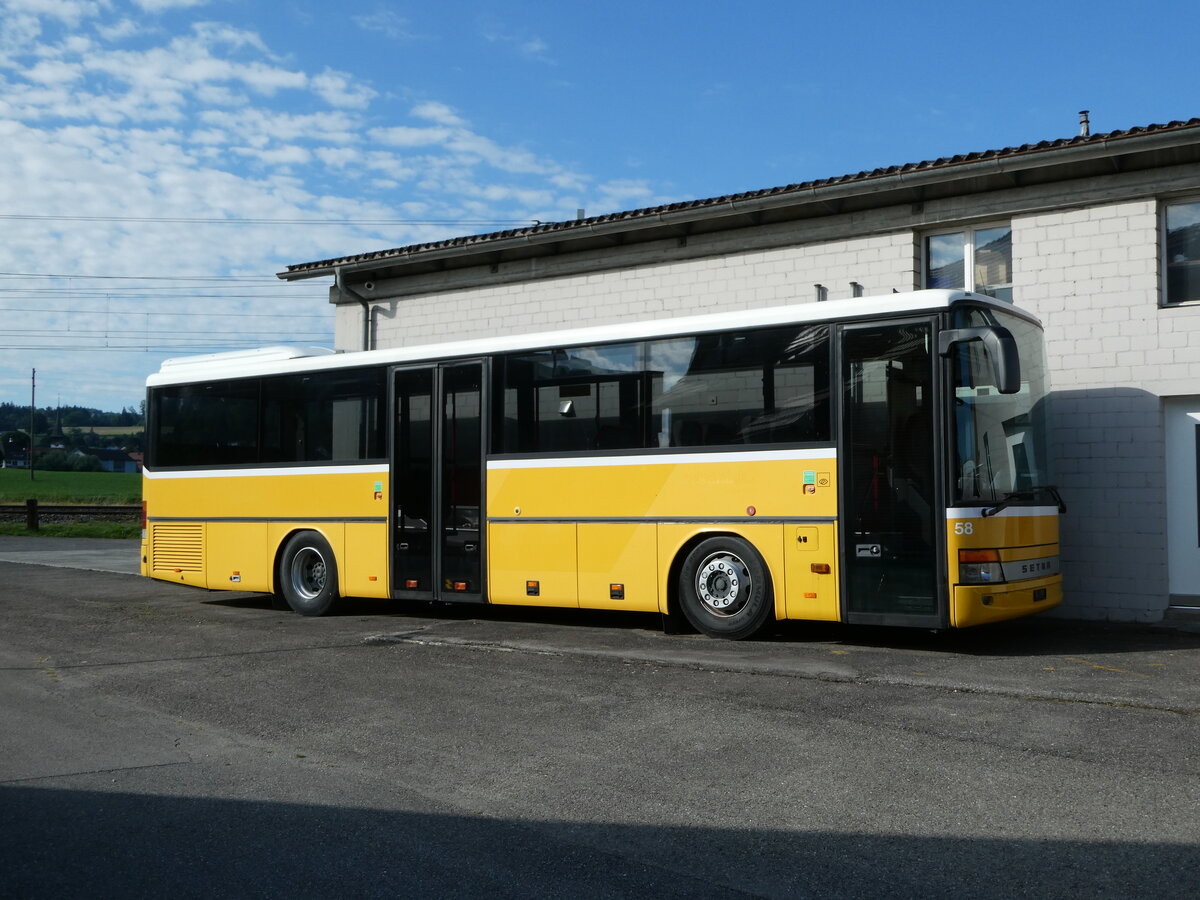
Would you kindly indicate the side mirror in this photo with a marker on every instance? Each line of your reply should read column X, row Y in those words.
column 1001, row 349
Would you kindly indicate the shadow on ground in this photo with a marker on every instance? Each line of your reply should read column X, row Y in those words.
column 80, row 843
column 1027, row 637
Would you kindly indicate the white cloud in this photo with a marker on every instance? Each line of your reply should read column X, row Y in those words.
column 437, row 112
column 408, row 136
column 157, row 6
column 70, row 12
column 339, row 89
column 276, row 156
column 528, row 46
column 338, row 157
column 123, row 123
column 385, row 22
column 54, row 72
column 263, row 126
column 118, row 31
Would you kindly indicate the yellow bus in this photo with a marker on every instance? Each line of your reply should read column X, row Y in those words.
column 873, row 460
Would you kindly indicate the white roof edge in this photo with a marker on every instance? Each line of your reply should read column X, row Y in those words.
column 258, row 354
column 247, row 364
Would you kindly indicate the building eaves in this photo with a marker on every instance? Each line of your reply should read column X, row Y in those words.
column 947, row 167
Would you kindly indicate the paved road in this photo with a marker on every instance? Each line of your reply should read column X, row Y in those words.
column 160, row 740
column 95, row 554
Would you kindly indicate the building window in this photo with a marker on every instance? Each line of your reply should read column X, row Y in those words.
column 1183, row 252
column 973, row 259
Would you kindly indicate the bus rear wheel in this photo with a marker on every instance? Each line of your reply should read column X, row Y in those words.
column 307, row 576
column 724, row 589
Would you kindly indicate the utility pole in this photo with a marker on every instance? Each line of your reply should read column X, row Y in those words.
column 32, row 407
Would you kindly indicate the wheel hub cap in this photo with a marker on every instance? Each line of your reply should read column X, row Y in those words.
column 723, row 584
column 308, row 573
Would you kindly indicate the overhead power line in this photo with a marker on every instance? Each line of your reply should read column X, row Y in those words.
column 143, row 294
column 201, row 220
column 217, row 278
column 146, row 348
column 326, row 317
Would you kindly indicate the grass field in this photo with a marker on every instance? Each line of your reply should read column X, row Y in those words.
column 70, row 487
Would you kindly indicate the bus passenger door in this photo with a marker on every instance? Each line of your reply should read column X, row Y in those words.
column 890, row 518
column 437, row 483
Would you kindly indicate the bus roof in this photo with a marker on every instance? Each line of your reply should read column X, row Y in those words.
column 279, row 360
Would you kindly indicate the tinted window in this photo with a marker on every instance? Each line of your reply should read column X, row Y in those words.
column 767, row 386
column 321, row 416
column 573, row 399
column 206, row 424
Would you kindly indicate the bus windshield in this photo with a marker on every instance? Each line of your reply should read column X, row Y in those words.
column 1000, row 445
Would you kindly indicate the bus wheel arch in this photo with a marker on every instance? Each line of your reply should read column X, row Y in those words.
column 722, row 586
column 306, row 573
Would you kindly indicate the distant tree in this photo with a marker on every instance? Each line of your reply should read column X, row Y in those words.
column 126, row 442
column 55, row 461
column 14, row 417
column 86, row 463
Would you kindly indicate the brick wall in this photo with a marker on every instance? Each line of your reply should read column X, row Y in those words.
column 726, row 281
column 1091, row 274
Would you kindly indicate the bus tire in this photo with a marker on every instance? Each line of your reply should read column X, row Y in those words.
column 308, row 578
column 724, row 588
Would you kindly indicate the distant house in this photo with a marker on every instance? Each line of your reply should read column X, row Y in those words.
column 114, row 460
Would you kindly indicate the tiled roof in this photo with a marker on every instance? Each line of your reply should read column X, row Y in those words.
column 548, row 228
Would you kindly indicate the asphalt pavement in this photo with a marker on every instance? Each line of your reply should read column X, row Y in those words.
column 95, row 554
column 160, row 740
column 1152, row 666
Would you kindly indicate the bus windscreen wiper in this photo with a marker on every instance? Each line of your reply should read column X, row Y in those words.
column 1030, row 494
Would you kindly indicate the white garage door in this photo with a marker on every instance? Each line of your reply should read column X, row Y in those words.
column 1183, row 499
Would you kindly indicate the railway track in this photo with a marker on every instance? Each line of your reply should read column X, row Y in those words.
column 42, row 513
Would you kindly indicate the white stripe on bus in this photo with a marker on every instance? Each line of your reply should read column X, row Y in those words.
column 271, row 471
column 662, row 459
column 976, row 512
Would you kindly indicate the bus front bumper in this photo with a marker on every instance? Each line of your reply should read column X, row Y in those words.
column 978, row 604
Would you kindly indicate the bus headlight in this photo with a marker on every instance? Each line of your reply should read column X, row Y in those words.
column 979, row 567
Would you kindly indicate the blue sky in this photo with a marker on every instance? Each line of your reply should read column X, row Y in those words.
column 172, row 155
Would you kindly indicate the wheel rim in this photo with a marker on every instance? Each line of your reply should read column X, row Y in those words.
column 308, row 573
column 723, row 584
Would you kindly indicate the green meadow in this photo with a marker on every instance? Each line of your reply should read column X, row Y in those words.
column 70, row 487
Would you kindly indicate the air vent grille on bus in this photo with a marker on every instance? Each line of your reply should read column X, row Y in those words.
column 178, row 547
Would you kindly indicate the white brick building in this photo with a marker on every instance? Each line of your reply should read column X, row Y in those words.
column 1098, row 235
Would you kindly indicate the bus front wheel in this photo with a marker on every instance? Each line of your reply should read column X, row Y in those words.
column 724, row 589
column 307, row 576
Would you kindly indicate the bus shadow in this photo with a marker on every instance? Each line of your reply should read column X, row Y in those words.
column 1017, row 638
column 347, row 607
column 1027, row 637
